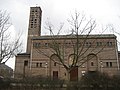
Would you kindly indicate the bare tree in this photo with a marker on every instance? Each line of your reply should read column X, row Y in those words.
column 8, row 46
column 81, row 29
column 115, row 31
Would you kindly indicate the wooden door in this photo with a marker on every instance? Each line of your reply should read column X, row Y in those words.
column 74, row 74
column 55, row 74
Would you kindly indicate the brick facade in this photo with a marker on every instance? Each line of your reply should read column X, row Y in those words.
column 102, row 49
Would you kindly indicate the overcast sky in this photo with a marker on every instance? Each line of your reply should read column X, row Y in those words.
column 104, row 11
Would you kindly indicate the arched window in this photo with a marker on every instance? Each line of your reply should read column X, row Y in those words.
column 55, row 59
column 72, row 59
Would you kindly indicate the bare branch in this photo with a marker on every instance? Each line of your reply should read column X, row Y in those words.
column 8, row 47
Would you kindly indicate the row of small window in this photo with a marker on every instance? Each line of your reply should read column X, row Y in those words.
column 86, row 44
column 98, row 44
column 35, row 10
column 39, row 65
column 37, row 45
column 108, row 43
column 108, row 64
column 36, row 64
column 44, row 64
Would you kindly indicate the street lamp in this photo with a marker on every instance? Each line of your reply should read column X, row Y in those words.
column 101, row 66
column 46, row 65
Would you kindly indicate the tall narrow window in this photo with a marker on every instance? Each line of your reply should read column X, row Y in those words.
column 25, row 63
column 110, row 64
column 37, row 64
column 107, row 64
column 40, row 64
column 55, row 63
column 92, row 64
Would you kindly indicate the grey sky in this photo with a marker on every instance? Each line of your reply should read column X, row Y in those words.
column 104, row 11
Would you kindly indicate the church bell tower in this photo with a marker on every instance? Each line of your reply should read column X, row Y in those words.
column 34, row 28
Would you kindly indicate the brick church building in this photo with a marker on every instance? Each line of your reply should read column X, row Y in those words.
column 103, row 49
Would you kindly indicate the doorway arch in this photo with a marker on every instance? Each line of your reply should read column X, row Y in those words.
column 92, row 62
